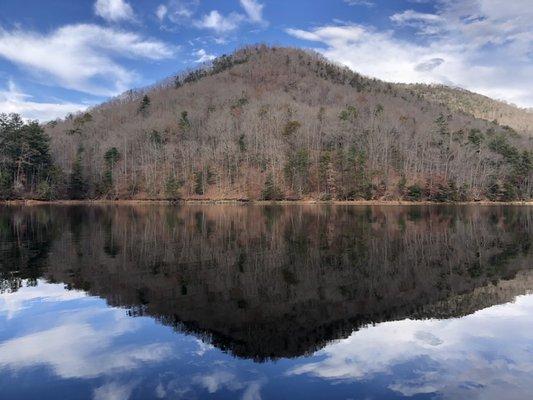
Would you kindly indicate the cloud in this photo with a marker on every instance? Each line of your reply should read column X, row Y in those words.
column 427, row 24
column 203, row 56
column 114, row 10
column 177, row 11
column 410, row 15
column 224, row 24
column 219, row 23
column 113, row 391
column 254, row 10
column 161, row 12
column 225, row 379
column 429, row 65
column 218, row 379
column 82, row 57
column 481, row 45
column 366, row 3
column 12, row 100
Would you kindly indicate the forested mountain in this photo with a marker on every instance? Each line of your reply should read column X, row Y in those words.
column 274, row 123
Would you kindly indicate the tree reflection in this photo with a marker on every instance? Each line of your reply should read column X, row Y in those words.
column 275, row 281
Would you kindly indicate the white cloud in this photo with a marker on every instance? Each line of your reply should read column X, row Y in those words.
column 218, row 379
column 224, row 24
column 203, row 56
column 254, row 10
column 225, row 379
column 427, row 24
column 82, row 57
column 410, row 15
column 114, row 10
column 366, row 3
column 178, row 12
column 113, row 391
column 161, row 12
column 219, row 23
column 482, row 45
column 12, row 100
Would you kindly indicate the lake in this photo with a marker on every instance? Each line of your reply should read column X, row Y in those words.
column 266, row 302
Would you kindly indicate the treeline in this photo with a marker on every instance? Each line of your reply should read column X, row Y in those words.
column 26, row 166
column 271, row 123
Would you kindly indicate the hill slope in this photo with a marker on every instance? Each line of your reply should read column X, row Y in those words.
column 283, row 123
column 479, row 106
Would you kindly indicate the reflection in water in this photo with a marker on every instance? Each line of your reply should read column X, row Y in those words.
column 270, row 282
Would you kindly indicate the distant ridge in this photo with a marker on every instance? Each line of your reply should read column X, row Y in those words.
column 480, row 106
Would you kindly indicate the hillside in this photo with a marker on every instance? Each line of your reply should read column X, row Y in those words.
column 460, row 100
column 272, row 123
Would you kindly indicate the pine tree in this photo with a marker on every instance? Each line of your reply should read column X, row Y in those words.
column 145, row 105
column 271, row 191
column 184, row 122
column 77, row 187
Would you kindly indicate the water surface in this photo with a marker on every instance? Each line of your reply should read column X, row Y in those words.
column 266, row 302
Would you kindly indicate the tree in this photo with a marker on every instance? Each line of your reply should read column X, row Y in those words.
column 172, row 188
column 111, row 157
column 184, row 123
column 78, row 186
column 297, row 170
column 442, row 125
column 145, row 105
column 25, row 150
column 291, row 128
column 349, row 114
column 271, row 191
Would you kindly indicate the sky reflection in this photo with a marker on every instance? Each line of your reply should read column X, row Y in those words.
column 64, row 336
column 484, row 355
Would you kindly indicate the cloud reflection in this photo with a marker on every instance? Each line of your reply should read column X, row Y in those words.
column 486, row 355
column 80, row 343
column 13, row 303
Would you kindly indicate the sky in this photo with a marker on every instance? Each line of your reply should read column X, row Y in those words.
column 63, row 56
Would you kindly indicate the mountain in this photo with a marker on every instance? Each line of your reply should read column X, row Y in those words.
column 281, row 123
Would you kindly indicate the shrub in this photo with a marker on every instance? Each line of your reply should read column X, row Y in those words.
column 414, row 192
column 271, row 191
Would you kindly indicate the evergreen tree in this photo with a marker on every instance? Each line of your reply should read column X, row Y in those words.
column 184, row 123
column 77, row 187
column 111, row 157
column 145, row 105
column 25, row 151
column 271, row 191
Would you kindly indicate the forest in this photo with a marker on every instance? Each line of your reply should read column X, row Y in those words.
column 269, row 123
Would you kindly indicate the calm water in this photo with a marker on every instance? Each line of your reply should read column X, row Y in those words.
column 266, row 302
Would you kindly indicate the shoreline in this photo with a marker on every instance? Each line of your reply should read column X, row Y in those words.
column 260, row 202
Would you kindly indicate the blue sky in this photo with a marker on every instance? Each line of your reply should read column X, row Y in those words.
column 59, row 56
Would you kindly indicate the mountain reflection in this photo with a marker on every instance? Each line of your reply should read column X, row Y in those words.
column 266, row 282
